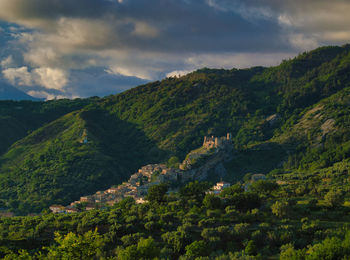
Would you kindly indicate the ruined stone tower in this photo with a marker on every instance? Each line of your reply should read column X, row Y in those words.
column 216, row 142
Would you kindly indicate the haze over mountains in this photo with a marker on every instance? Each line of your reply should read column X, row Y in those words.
column 44, row 162
column 7, row 92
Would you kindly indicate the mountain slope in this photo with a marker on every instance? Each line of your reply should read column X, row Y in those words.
column 266, row 110
column 179, row 112
column 77, row 154
column 19, row 118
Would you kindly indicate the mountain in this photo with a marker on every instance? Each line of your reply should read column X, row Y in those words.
column 292, row 117
column 19, row 118
column 7, row 92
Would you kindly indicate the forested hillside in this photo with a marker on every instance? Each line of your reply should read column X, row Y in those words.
column 19, row 118
column 292, row 117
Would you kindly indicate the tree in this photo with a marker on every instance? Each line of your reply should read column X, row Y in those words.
column 330, row 248
column 280, row 208
column 147, row 248
column 211, row 201
column 243, row 201
column 157, row 193
column 176, row 240
column 232, row 190
column 197, row 249
column 289, row 253
column 129, row 253
column 263, row 186
column 334, row 198
column 250, row 248
column 194, row 190
column 173, row 162
column 72, row 246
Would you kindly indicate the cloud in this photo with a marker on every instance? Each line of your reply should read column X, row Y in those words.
column 44, row 95
column 237, row 60
column 49, row 83
column 303, row 42
column 46, row 77
column 7, row 62
column 85, row 83
column 18, row 76
column 51, row 78
column 53, row 43
column 177, row 73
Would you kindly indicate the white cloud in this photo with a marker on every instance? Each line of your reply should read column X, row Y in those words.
column 18, row 76
column 49, row 78
column 7, row 62
column 48, row 96
column 129, row 72
column 41, row 94
column 303, row 42
column 178, row 73
column 285, row 20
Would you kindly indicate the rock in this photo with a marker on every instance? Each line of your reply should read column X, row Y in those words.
column 273, row 119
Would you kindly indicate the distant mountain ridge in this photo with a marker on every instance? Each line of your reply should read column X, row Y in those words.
column 295, row 116
column 7, row 92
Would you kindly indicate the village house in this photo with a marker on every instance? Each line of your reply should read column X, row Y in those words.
column 220, row 186
column 140, row 200
column 152, row 174
column 57, row 209
column 113, row 190
column 113, row 202
column 71, row 210
column 90, row 207
column 87, row 199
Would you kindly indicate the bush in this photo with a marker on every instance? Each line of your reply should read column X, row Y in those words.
column 334, row 198
column 280, row 208
column 157, row 193
column 197, row 249
column 211, row 201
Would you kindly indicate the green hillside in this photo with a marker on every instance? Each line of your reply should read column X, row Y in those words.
column 307, row 97
column 19, row 118
column 54, row 165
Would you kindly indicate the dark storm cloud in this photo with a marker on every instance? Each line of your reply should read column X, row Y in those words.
column 148, row 39
column 155, row 25
column 23, row 10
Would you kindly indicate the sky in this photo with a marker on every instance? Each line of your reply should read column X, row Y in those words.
column 80, row 48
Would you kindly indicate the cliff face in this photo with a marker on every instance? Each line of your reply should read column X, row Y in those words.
column 212, row 162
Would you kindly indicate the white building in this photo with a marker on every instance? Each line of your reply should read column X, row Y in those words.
column 220, row 186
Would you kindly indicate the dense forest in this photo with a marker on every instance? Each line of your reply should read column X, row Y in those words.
column 290, row 122
column 308, row 97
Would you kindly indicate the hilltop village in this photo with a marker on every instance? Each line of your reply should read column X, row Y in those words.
column 196, row 166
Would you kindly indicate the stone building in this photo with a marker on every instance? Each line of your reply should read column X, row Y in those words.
column 216, row 142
